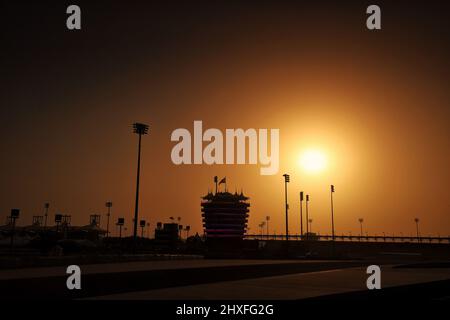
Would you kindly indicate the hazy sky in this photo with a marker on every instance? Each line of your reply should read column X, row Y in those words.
column 375, row 103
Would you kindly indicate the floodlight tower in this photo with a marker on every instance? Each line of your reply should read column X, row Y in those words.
column 140, row 129
column 332, row 211
column 286, row 181
column 108, row 204
column 46, row 206
column 301, row 214
column 307, row 216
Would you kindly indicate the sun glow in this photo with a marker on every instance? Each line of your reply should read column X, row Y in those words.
column 313, row 161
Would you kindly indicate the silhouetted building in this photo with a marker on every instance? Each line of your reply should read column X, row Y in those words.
column 225, row 215
column 167, row 234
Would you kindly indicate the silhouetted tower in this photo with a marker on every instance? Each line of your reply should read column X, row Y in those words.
column 286, row 181
column 225, row 215
column 108, row 204
column 140, row 129
column 332, row 211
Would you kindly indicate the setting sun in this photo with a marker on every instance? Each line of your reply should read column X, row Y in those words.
column 313, row 161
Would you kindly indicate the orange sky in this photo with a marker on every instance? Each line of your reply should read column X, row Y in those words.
column 376, row 104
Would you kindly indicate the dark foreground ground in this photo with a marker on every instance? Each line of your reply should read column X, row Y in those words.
column 307, row 280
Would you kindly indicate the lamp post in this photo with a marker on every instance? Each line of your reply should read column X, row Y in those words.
column 416, row 220
column 310, row 225
column 307, row 215
column 286, row 181
column 108, row 204
column 140, row 129
column 120, row 223
column 142, row 224
column 267, row 225
column 301, row 214
column 361, row 220
column 332, row 211
column 46, row 207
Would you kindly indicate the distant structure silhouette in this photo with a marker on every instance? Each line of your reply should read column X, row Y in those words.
column 225, row 217
column 307, row 214
column 286, row 205
column 332, row 211
column 120, row 223
column 301, row 213
column 416, row 220
column 108, row 205
column 140, row 129
column 361, row 220
column 46, row 207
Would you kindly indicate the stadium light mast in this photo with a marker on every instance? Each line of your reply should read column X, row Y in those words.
column 332, row 211
column 46, row 206
column 140, row 129
column 307, row 215
column 108, row 204
column 286, row 181
column 301, row 213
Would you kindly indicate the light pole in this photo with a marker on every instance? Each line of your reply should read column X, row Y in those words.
column 361, row 220
column 286, row 181
column 142, row 224
column 301, row 213
column 307, row 215
column 332, row 211
column 120, row 223
column 108, row 204
column 46, row 206
column 262, row 228
column 140, row 129
column 416, row 220
column 267, row 225
column 310, row 225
